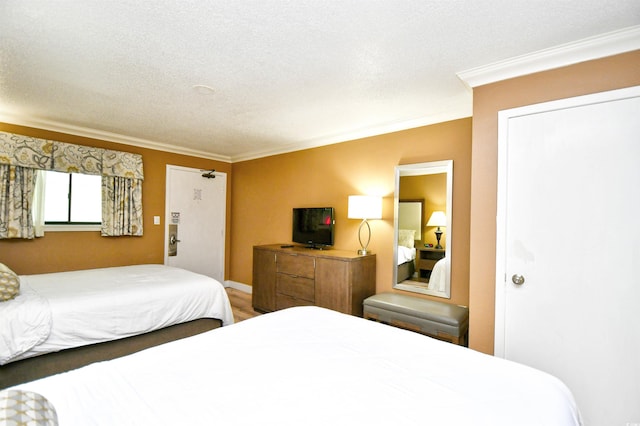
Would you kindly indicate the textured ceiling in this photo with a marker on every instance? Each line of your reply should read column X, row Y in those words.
column 239, row 79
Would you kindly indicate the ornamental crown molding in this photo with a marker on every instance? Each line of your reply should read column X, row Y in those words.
column 86, row 132
column 608, row 44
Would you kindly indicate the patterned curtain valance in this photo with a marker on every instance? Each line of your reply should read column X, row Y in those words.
column 35, row 153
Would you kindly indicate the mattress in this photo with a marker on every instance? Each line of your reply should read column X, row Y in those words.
column 99, row 305
column 312, row 366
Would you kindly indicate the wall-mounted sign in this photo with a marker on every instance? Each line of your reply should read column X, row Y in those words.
column 175, row 217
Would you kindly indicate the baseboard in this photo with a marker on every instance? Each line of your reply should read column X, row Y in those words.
column 239, row 286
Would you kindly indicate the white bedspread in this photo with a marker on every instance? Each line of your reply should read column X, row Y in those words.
column 406, row 254
column 25, row 321
column 308, row 366
column 98, row 305
column 438, row 278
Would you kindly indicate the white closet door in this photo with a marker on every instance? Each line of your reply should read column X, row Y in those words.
column 200, row 204
column 569, row 226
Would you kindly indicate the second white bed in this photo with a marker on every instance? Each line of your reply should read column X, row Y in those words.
column 99, row 305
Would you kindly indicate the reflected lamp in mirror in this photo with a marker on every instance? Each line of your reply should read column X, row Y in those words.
column 438, row 218
column 364, row 207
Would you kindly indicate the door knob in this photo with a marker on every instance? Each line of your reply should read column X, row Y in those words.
column 517, row 279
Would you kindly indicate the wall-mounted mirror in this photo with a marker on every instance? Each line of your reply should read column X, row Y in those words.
column 422, row 219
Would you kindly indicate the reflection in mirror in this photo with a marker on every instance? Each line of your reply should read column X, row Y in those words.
column 420, row 264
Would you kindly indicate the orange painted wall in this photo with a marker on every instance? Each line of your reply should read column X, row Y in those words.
column 265, row 190
column 62, row 251
column 589, row 77
column 432, row 189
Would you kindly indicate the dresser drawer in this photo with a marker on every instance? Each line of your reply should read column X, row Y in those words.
column 296, row 287
column 426, row 263
column 430, row 254
column 283, row 302
column 302, row 266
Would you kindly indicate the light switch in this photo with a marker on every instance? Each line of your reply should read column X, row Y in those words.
column 156, row 220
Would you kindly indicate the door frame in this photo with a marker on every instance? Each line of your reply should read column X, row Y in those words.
column 167, row 222
column 501, row 216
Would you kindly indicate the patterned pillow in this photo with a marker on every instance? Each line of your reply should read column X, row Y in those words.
column 9, row 283
column 406, row 237
column 26, row 408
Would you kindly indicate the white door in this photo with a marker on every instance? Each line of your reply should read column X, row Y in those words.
column 568, row 257
column 197, row 206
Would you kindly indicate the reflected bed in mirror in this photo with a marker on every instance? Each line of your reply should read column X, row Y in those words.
column 422, row 252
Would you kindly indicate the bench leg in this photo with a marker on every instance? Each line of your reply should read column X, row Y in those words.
column 448, row 337
column 457, row 340
column 370, row 316
column 407, row 326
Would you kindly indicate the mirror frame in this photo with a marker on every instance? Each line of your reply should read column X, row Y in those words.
column 428, row 168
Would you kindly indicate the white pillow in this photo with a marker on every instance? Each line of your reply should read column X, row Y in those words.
column 406, row 237
column 9, row 283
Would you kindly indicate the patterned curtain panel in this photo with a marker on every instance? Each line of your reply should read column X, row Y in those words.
column 16, row 195
column 122, row 176
column 121, row 206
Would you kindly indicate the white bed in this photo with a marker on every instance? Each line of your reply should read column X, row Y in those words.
column 406, row 254
column 308, row 366
column 438, row 277
column 65, row 310
column 406, row 260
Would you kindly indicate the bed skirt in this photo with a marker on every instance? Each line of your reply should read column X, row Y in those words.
column 406, row 270
column 40, row 366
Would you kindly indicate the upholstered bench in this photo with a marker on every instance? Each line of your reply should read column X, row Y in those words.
column 441, row 320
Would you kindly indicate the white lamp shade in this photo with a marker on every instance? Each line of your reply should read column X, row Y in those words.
column 365, row 207
column 437, row 218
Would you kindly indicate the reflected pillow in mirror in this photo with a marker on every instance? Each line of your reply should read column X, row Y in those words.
column 406, row 237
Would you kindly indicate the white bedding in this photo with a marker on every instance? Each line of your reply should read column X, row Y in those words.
column 405, row 254
column 308, row 366
column 438, row 277
column 98, row 305
column 25, row 321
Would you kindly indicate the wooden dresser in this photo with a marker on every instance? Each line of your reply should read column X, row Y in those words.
column 298, row 276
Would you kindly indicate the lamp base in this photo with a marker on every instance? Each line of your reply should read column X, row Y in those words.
column 438, row 233
column 363, row 247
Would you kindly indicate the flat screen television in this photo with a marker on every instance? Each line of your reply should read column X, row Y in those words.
column 313, row 226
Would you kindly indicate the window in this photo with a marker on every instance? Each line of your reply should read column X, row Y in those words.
column 72, row 198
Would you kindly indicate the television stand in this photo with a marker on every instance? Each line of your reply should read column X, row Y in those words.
column 334, row 279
